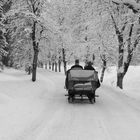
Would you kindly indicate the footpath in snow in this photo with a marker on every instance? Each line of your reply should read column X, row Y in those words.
column 40, row 111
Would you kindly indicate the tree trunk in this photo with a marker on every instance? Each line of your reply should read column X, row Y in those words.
column 123, row 66
column 52, row 66
column 120, row 77
column 103, row 70
column 34, row 65
column 41, row 65
column 36, row 50
column 29, row 70
column 49, row 64
column 55, row 66
column 46, row 65
column 120, row 74
column 120, row 68
column 59, row 64
column 120, row 51
column 64, row 60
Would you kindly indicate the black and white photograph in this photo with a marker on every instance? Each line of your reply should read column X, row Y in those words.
column 69, row 69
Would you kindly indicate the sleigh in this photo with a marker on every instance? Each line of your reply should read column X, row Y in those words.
column 82, row 83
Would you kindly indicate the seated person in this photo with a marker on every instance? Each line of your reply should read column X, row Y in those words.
column 77, row 65
column 89, row 66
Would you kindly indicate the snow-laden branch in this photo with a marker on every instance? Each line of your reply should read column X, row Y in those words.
column 129, row 3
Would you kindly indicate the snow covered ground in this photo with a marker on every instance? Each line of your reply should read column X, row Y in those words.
column 131, row 86
column 40, row 111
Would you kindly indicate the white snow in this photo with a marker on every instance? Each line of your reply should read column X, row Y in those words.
column 40, row 111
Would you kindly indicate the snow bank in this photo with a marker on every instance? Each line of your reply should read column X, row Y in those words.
column 131, row 81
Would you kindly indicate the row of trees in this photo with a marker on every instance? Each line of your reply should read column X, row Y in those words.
column 56, row 31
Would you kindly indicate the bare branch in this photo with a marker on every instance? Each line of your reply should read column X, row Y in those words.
column 131, row 4
column 115, row 25
column 123, row 28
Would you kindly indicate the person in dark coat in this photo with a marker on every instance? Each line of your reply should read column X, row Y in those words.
column 89, row 66
column 77, row 64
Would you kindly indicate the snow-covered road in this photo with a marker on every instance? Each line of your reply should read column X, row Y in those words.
column 113, row 117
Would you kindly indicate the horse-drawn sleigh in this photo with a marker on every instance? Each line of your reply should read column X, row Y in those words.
column 82, row 83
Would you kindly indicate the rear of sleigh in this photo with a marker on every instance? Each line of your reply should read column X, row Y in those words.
column 82, row 84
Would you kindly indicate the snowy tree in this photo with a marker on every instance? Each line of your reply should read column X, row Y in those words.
column 104, row 40
column 6, row 7
column 126, row 26
column 61, row 14
column 3, row 42
column 76, row 22
column 30, row 16
column 21, row 56
column 106, row 51
column 132, row 4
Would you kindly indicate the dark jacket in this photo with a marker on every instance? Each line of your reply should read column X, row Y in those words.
column 73, row 67
column 88, row 67
column 76, row 66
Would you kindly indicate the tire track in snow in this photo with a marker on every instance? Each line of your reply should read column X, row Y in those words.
column 120, row 116
column 36, row 126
